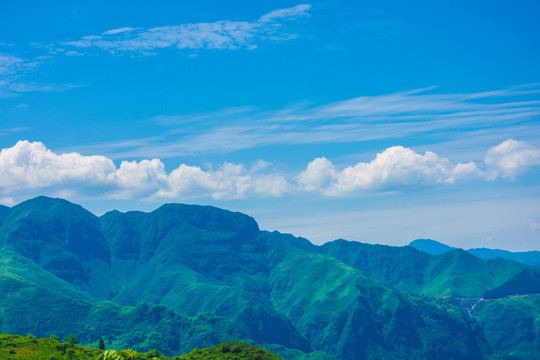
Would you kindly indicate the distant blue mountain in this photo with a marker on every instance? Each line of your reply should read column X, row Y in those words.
column 431, row 246
column 531, row 258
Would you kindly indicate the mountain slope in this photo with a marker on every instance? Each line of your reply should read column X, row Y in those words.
column 4, row 211
column 187, row 272
column 512, row 324
column 33, row 309
column 355, row 317
column 454, row 273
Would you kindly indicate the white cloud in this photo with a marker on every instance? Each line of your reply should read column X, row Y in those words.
column 480, row 118
column 318, row 175
column 12, row 71
column 396, row 168
column 118, row 31
column 231, row 181
column 32, row 165
column 288, row 14
column 223, row 34
column 29, row 165
column 9, row 64
column 511, row 158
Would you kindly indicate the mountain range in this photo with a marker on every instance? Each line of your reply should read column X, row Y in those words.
column 433, row 247
column 186, row 276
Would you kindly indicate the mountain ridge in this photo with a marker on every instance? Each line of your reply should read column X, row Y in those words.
column 346, row 301
column 433, row 247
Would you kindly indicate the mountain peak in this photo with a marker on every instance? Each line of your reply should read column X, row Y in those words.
column 430, row 246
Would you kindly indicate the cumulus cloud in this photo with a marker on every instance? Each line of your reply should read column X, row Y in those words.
column 33, row 165
column 30, row 165
column 223, row 34
column 511, row 158
column 396, row 168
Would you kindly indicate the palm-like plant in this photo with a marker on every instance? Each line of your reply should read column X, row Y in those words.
column 128, row 354
column 110, row 355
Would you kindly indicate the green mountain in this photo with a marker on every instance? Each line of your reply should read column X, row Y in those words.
column 512, row 324
column 454, row 273
column 186, row 276
column 4, row 211
column 531, row 258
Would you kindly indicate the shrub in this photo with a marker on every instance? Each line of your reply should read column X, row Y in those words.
column 153, row 354
column 72, row 339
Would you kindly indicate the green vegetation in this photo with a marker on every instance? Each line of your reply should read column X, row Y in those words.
column 453, row 273
column 72, row 339
column 511, row 324
column 185, row 277
column 28, row 347
column 230, row 350
column 17, row 347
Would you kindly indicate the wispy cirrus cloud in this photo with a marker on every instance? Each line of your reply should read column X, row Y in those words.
column 223, row 34
column 365, row 118
column 13, row 70
column 10, row 64
column 28, row 168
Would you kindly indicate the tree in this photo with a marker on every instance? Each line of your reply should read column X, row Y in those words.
column 54, row 338
column 101, row 344
column 72, row 339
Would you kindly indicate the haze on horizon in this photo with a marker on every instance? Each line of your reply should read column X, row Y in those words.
column 378, row 122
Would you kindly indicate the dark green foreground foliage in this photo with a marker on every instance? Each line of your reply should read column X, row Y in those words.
column 234, row 350
column 15, row 347
column 184, row 276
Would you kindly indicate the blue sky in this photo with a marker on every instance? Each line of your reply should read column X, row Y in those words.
column 380, row 122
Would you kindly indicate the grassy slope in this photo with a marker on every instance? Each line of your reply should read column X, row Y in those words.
column 353, row 317
column 511, row 325
column 199, row 259
column 454, row 273
column 192, row 259
column 32, row 309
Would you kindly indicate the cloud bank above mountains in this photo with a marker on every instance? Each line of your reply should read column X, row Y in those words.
column 31, row 166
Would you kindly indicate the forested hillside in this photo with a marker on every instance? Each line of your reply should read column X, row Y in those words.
column 185, row 276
